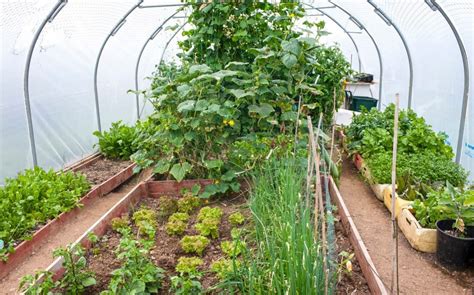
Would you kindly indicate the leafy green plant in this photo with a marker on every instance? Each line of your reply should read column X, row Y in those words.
column 446, row 203
column 210, row 213
column 41, row 283
column 371, row 132
column 137, row 274
column 188, row 203
column 233, row 248
column 194, row 244
column 224, row 267
column 118, row 142
column 188, row 280
column 425, row 167
column 250, row 91
column 188, row 265
column 168, row 206
column 76, row 278
column 146, row 221
column 120, row 223
column 236, row 219
column 32, row 198
column 177, row 224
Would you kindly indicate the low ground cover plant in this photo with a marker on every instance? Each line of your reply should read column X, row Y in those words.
column 34, row 197
column 146, row 221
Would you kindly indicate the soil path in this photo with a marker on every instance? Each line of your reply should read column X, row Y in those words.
column 70, row 231
column 417, row 273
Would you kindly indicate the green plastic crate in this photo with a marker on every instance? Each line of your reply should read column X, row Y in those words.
column 359, row 101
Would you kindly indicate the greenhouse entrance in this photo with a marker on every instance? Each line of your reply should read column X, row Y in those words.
column 236, row 147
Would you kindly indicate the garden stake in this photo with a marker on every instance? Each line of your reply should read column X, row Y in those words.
column 333, row 126
column 318, row 194
column 394, row 195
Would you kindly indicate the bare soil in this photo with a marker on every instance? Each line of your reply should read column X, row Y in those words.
column 352, row 282
column 167, row 249
column 71, row 230
column 419, row 272
column 103, row 169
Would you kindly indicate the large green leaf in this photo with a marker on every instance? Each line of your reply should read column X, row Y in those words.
column 184, row 90
column 292, row 46
column 289, row 60
column 186, row 106
column 264, row 109
column 211, row 164
column 240, row 93
column 179, row 170
column 203, row 69
column 161, row 167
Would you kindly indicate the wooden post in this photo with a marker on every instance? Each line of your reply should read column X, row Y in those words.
column 394, row 284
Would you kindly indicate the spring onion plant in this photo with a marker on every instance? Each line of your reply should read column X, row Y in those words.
column 287, row 258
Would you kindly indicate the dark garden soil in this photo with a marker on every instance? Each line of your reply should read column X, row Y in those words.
column 167, row 248
column 352, row 282
column 70, row 231
column 103, row 169
column 419, row 273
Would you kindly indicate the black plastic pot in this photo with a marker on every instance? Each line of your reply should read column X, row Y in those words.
column 454, row 252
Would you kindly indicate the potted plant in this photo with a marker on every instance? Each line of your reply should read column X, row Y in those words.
column 455, row 231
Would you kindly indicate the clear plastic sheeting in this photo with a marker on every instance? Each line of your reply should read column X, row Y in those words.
column 61, row 77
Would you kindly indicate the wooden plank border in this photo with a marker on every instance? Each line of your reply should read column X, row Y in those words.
column 25, row 248
column 366, row 264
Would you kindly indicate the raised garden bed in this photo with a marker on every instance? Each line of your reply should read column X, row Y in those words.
column 421, row 239
column 24, row 248
column 167, row 250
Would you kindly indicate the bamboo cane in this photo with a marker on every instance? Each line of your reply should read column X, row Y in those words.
column 394, row 284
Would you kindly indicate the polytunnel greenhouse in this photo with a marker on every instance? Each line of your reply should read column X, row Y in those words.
column 236, row 147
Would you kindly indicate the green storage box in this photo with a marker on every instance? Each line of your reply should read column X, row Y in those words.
column 358, row 101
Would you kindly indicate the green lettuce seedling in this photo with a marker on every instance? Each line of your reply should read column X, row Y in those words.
column 236, row 219
column 188, row 265
column 188, row 203
column 194, row 244
column 177, row 224
column 233, row 248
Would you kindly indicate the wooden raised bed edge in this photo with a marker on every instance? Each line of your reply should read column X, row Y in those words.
column 86, row 162
column 23, row 250
column 367, row 266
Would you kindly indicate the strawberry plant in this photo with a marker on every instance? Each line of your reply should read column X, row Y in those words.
column 34, row 197
column 194, row 244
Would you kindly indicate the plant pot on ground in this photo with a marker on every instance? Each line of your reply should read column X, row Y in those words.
column 455, row 249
